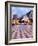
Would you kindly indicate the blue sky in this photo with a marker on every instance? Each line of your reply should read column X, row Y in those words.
column 20, row 10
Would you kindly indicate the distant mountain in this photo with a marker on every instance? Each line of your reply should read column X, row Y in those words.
column 16, row 17
column 30, row 14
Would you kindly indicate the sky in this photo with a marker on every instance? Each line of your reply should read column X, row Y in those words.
column 20, row 11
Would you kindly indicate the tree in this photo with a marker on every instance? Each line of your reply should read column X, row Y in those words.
column 14, row 16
